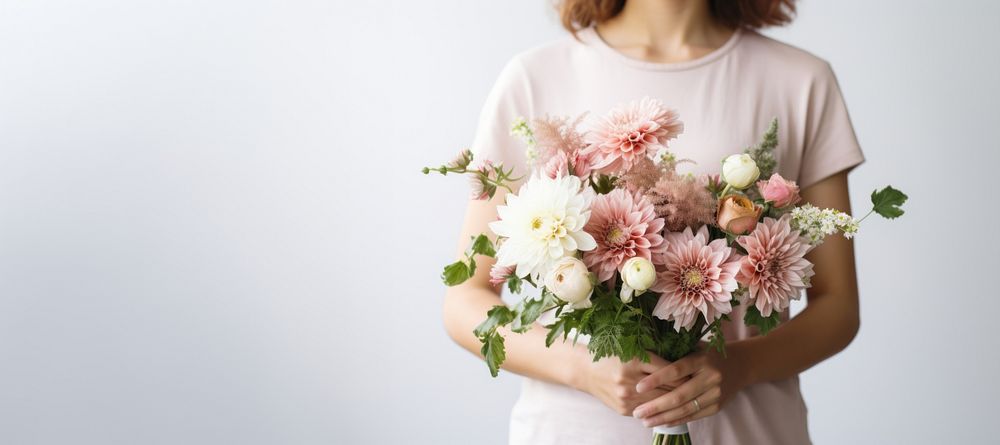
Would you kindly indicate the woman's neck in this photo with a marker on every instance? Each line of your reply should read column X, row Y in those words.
column 664, row 30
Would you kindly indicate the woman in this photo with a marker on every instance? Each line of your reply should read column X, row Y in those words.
column 703, row 58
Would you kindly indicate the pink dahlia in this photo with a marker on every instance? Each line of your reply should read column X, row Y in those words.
column 630, row 133
column 775, row 270
column 557, row 165
column 499, row 274
column 624, row 226
column 698, row 276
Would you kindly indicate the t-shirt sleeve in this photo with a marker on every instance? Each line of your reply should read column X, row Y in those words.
column 508, row 100
column 830, row 143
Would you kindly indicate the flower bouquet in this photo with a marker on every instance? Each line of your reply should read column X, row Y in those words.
column 630, row 252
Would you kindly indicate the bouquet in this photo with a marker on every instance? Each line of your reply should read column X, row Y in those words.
column 634, row 254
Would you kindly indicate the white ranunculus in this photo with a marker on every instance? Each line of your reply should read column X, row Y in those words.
column 542, row 224
column 638, row 275
column 570, row 280
column 740, row 171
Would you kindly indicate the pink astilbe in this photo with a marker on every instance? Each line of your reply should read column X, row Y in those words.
column 775, row 270
column 697, row 276
column 682, row 202
column 643, row 175
column 554, row 135
column 631, row 132
column 624, row 226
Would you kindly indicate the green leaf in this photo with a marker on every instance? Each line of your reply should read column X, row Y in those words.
column 887, row 202
column 483, row 246
column 764, row 324
column 717, row 341
column 493, row 352
column 530, row 311
column 456, row 273
column 514, row 284
column 557, row 329
column 499, row 315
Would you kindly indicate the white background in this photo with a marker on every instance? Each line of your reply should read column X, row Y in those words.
column 213, row 228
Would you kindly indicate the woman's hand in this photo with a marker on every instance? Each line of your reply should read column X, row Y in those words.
column 709, row 378
column 614, row 383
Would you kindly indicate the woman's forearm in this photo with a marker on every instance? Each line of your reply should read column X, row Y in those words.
column 825, row 327
column 466, row 306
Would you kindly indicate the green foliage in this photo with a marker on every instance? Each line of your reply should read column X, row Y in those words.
column 456, row 273
column 763, row 152
column 717, row 340
column 514, row 284
column 493, row 348
column 498, row 316
column 522, row 317
column 530, row 310
column 556, row 329
column 887, row 201
column 460, row 271
column 604, row 184
column 483, row 246
column 493, row 352
column 764, row 324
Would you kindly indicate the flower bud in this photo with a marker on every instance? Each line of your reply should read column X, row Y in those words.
column 570, row 280
column 740, row 171
column 638, row 275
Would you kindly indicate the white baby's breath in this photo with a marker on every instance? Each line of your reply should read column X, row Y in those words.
column 816, row 224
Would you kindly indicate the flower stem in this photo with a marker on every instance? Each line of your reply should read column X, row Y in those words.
column 725, row 190
column 866, row 215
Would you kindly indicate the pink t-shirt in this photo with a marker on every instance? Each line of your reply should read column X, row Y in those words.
column 726, row 100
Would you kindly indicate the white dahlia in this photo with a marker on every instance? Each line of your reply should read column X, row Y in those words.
column 543, row 223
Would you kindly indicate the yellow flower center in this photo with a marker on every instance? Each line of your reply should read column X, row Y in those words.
column 548, row 228
column 615, row 236
column 693, row 278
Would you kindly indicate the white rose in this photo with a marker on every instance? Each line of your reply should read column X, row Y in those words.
column 740, row 171
column 638, row 274
column 570, row 280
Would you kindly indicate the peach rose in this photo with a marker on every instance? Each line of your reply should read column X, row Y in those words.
column 778, row 190
column 738, row 215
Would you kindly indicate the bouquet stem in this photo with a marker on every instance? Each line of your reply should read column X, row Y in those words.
column 675, row 435
column 672, row 439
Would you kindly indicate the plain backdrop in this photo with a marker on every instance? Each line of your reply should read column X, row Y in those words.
column 213, row 228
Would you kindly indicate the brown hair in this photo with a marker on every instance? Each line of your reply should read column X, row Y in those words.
column 579, row 14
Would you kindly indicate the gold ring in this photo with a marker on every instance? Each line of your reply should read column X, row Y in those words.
column 697, row 406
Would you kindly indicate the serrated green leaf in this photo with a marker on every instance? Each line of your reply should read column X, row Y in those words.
column 717, row 341
column 514, row 284
column 483, row 246
column 529, row 312
column 556, row 329
column 497, row 316
column 887, row 202
column 456, row 273
column 753, row 317
column 493, row 352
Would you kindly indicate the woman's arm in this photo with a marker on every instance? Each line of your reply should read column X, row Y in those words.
column 826, row 326
column 465, row 306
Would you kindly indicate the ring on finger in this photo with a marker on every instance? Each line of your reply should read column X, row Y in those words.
column 697, row 406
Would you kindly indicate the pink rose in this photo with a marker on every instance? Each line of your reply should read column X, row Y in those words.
column 738, row 215
column 778, row 190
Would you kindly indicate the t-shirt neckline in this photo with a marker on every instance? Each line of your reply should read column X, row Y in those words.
column 590, row 35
